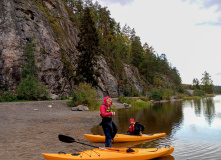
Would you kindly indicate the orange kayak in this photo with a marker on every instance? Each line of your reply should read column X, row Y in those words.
column 124, row 137
column 113, row 154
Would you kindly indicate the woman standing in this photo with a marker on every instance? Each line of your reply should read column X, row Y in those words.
column 109, row 127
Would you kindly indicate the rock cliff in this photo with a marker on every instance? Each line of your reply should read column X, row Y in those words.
column 49, row 24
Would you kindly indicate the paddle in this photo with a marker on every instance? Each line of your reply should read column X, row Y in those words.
column 68, row 139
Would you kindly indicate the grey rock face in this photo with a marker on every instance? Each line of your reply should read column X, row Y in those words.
column 133, row 76
column 47, row 22
column 107, row 82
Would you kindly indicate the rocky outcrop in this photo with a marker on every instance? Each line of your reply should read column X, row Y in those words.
column 133, row 76
column 48, row 23
column 107, row 83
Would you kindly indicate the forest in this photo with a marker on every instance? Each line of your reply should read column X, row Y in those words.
column 102, row 35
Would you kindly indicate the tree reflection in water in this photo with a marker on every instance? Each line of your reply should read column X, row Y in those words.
column 204, row 107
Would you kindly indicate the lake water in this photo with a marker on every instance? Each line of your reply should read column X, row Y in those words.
column 192, row 127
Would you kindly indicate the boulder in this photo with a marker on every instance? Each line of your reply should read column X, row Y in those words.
column 127, row 105
column 54, row 96
column 80, row 108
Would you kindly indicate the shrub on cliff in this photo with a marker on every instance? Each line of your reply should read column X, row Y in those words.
column 85, row 94
column 30, row 89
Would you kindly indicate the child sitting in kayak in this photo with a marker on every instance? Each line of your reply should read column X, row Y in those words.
column 135, row 128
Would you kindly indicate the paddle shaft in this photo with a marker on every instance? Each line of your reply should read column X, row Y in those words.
column 68, row 139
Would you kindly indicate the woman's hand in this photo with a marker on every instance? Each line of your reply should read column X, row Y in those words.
column 113, row 113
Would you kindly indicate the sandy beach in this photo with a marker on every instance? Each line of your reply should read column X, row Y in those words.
column 28, row 129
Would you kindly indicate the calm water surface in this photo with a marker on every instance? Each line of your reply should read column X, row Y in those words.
column 192, row 127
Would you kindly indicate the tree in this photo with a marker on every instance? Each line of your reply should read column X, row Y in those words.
column 196, row 83
column 136, row 51
column 207, row 83
column 29, row 88
column 88, row 47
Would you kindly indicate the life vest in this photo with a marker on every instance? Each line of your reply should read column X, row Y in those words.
column 136, row 128
column 109, row 109
column 132, row 128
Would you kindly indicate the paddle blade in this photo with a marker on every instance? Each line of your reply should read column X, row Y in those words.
column 66, row 139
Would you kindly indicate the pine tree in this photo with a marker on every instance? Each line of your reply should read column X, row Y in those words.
column 196, row 83
column 136, row 51
column 88, row 47
column 207, row 83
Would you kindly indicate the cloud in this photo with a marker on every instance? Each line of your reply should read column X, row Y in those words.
column 210, row 23
column 206, row 4
column 218, row 74
column 122, row 2
column 212, row 8
column 211, row 3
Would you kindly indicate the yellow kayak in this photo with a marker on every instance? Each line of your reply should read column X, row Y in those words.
column 113, row 154
column 124, row 137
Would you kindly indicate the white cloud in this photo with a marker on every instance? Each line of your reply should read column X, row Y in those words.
column 218, row 74
column 212, row 6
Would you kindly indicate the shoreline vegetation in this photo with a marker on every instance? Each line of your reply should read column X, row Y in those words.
column 135, row 102
column 85, row 94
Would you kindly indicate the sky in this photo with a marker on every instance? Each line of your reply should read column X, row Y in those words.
column 188, row 32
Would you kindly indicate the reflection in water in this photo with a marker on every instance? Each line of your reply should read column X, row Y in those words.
column 192, row 127
column 203, row 106
column 158, row 118
column 209, row 109
column 197, row 106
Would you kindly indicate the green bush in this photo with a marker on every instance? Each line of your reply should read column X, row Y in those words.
column 181, row 90
column 140, row 104
column 166, row 94
column 1, row 99
column 131, row 92
column 64, row 98
column 198, row 92
column 122, row 99
column 30, row 89
column 127, row 92
column 85, row 94
column 156, row 94
column 180, row 96
column 7, row 96
column 147, row 98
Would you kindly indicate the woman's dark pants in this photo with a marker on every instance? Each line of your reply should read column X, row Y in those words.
column 107, row 136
